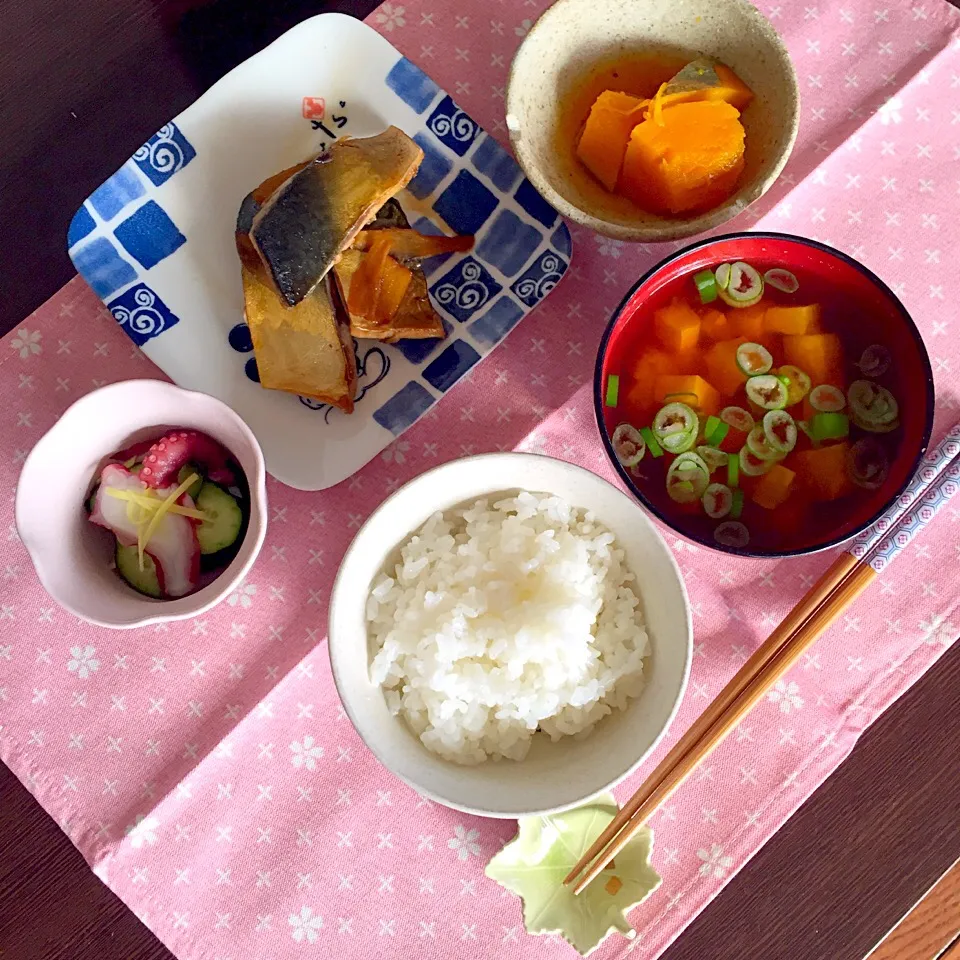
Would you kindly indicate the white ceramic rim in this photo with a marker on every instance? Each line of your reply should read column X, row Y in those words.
column 564, row 465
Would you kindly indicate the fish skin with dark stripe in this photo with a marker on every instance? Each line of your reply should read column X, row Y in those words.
column 302, row 229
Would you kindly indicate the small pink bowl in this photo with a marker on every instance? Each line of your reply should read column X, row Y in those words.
column 72, row 557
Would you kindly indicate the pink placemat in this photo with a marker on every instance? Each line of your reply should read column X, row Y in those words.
column 206, row 770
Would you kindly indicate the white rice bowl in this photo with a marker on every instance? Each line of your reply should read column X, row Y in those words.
column 506, row 618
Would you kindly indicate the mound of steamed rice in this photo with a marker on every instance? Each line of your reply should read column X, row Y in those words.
column 503, row 619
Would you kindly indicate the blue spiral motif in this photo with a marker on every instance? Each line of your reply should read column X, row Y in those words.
column 372, row 366
column 456, row 125
column 536, row 288
column 143, row 320
column 162, row 152
column 470, row 294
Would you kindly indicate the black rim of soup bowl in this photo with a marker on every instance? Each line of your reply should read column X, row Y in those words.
column 624, row 474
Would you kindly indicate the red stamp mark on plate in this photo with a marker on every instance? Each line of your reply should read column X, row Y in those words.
column 314, row 108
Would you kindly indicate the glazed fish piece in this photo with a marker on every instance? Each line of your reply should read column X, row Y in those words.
column 307, row 223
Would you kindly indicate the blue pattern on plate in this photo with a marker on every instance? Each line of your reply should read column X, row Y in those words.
column 166, row 152
column 411, row 85
column 433, row 169
column 509, row 243
column 81, row 224
column 561, row 240
column 466, row 203
column 406, row 406
column 491, row 327
column 465, row 289
column 250, row 369
column 431, row 264
column 540, row 278
column 449, row 124
column 142, row 314
column 451, row 365
column 149, row 234
column 239, row 338
column 496, row 164
column 535, row 205
column 416, row 351
column 122, row 188
column 102, row 267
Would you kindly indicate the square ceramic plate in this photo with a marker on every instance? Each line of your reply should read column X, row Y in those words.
column 155, row 241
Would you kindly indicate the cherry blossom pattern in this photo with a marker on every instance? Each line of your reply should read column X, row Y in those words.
column 305, row 925
column 787, row 695
column 82, row 661
column 243, row 595
column 715, row 864
column 26, row 342
column 306, row 753
column 464, row 842
column 389, row 16
column 143, row 831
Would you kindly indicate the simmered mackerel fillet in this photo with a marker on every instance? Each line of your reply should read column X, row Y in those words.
column 307, row 223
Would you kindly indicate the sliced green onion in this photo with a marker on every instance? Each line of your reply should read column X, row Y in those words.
column 706, row 285
column 745, row 287
column 867, row 464
column 827, row 398
column 780, row 431
column 871, row 404
column 754, row 359
column 717, row 500
column 675, row 418
column 712, row 457
column 875, row 361
column 722, row 275
column 679, row 442
column 715, row 431
column 684, row 397
column 872, row 426
column 736, row 508
column 613, row 390
column 796, row 381
column 738, row 418
column 628, row 445
column 767, row 391
column 752, row 465
column 829, row 426
column 782, row 280
column 732, row 533
column 760, row 446
column 651, row 441
column 733, row 470
column 687, row 479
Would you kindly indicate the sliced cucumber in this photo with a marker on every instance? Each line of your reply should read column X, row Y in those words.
column 223, row 519
column 194, row 489
column 144, row 581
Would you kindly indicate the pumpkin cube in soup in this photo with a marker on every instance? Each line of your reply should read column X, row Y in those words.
column 677, row 326
column 721, row 367
column 819, row 355
column 703, row 79
column 606, row 132
column 650, row 365
column 792, row 320
column 694, row 391
column 823, row 471
column 774, row 487
column 715, row 324
column 685, row 158
column 748, row 322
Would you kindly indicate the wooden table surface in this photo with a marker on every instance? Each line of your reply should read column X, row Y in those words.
column 80, row 84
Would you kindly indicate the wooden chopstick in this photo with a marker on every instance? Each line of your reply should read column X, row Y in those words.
column 715, row 711
column 840, row 585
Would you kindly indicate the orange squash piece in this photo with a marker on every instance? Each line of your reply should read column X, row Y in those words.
column 692, row 390
column 689, row 161
column 606, row 132
column 748, row 322
column 774, row 487
column 722, row 369
column 823, row 471
column 793, row 321
column 715, row 324
column 652, row 364
column 678, row 326
column 705, row 80
column 819, row 355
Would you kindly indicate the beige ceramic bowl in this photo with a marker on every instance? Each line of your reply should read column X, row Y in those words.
column 553, row 776
column 573, row 36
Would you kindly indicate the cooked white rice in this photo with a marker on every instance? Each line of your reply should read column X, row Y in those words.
column 500, row 620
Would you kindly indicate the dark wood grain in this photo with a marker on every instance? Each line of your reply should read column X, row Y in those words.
column 829, row 885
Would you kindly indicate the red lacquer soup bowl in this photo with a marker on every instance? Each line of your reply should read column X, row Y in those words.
column 848, row 451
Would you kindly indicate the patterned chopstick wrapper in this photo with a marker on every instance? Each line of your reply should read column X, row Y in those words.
column 937, row 480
